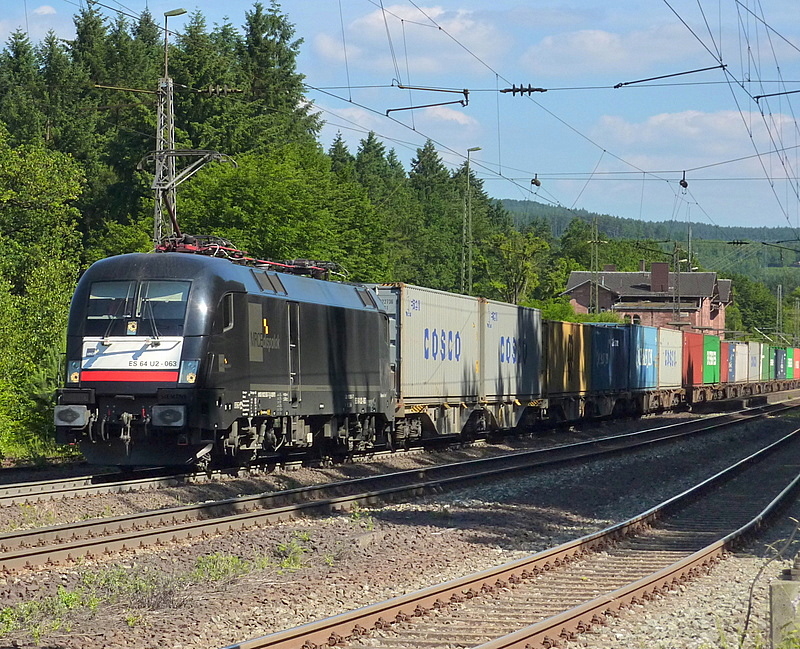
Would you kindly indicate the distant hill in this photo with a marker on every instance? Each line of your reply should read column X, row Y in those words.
column 621, row 228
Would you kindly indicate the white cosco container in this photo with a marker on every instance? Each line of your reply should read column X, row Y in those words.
column 511, row 348
column 741, row 362
column 436, row 340
column 753, row 362
column 670, row 358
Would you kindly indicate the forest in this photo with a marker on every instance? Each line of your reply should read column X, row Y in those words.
column 77, row 118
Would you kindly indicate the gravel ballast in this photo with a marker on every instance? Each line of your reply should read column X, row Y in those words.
column 216, row 591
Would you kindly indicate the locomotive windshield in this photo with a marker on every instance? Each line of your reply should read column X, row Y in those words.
column 130, row 308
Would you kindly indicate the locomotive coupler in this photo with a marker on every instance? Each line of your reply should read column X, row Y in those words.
column 125, row 434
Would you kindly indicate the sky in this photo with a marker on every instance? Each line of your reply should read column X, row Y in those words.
column 605, row 136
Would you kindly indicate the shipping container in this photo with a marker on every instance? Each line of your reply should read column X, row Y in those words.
column 511, row 351
column 692, row 358
column 608, row 368
column 566, row 357
column 726, row 356
column 436, row 341
column 754, row 365
column 643, row 357
column 670, row 355
column 797, row 363
column 741, row 363
column 766, row 355
column 711, row 354
column 780, row 363
column 790, row 363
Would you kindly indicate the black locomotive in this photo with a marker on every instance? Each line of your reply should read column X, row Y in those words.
column 176, row 358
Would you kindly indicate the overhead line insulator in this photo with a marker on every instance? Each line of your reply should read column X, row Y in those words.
column 523, row 90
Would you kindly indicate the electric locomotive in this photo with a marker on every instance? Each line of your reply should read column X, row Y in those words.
column 183, row 359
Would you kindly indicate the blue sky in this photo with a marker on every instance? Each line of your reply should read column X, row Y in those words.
column 619, row 151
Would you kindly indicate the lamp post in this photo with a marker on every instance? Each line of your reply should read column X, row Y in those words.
column 467, row 234
column 164, row 181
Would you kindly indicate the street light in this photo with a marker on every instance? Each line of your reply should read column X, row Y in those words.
column 167, row 16
column 468, row 235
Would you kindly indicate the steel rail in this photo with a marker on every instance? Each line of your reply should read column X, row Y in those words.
column 89, row 485
column 55, row 544
column 353, row 624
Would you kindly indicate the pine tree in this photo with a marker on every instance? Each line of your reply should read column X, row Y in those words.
column 269, row 56
column 20, row 108
column 436, row 250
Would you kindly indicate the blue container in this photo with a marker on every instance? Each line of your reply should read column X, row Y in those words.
column 609, row 358
column 780, row 363
column 643, row 365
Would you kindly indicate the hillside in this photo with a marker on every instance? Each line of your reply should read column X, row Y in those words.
column 621, row 228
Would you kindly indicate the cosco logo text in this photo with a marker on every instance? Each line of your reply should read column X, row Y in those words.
column 511, row 350
column 644, row 357
column 441, row 345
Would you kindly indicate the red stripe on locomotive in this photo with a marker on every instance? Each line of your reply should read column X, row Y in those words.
column 130, row 375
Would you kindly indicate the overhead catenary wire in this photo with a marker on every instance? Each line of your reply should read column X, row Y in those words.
column 595, row 175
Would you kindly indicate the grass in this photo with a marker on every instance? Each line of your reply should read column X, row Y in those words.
column 362, row 518
column 33, row 516
column 290, row 553
column 138, row 590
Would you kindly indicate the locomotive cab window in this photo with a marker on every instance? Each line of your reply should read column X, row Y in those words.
column 110, row 305
column 153, row 308
column 161, row 307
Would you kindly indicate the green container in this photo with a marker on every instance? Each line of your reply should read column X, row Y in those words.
column 711, row 359
column 790, row 362
column 766, row 354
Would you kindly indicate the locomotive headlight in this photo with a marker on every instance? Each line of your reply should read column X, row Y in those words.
column 73, row 371
column 188, row 373
column 75, row 416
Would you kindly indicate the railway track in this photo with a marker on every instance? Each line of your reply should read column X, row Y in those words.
column 543, row 599
column 56, row 544
column 105, row 483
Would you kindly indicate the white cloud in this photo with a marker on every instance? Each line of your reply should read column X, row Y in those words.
column 44, row 10
column 694, row 138
column 439, row 114
column 415, row 44
column 330, row 49
column 592, row 51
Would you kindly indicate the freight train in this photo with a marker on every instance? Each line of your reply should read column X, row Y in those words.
column 190, row 359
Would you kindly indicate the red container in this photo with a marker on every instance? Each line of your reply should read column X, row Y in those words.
column 692, row 358
column 724, row 366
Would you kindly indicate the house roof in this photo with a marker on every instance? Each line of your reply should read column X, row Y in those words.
column 638, row 284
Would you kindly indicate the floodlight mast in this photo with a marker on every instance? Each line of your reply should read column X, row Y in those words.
column 164, row 180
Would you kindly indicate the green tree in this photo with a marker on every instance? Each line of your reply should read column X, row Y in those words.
column 37, row 276
column 755, row 305
column 269, row 58
column 437, row 247
column 514, row 267
column 20, row 108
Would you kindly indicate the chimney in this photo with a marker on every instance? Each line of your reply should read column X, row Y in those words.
column 659, row 277
column 642, row 268
column 610, row 268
